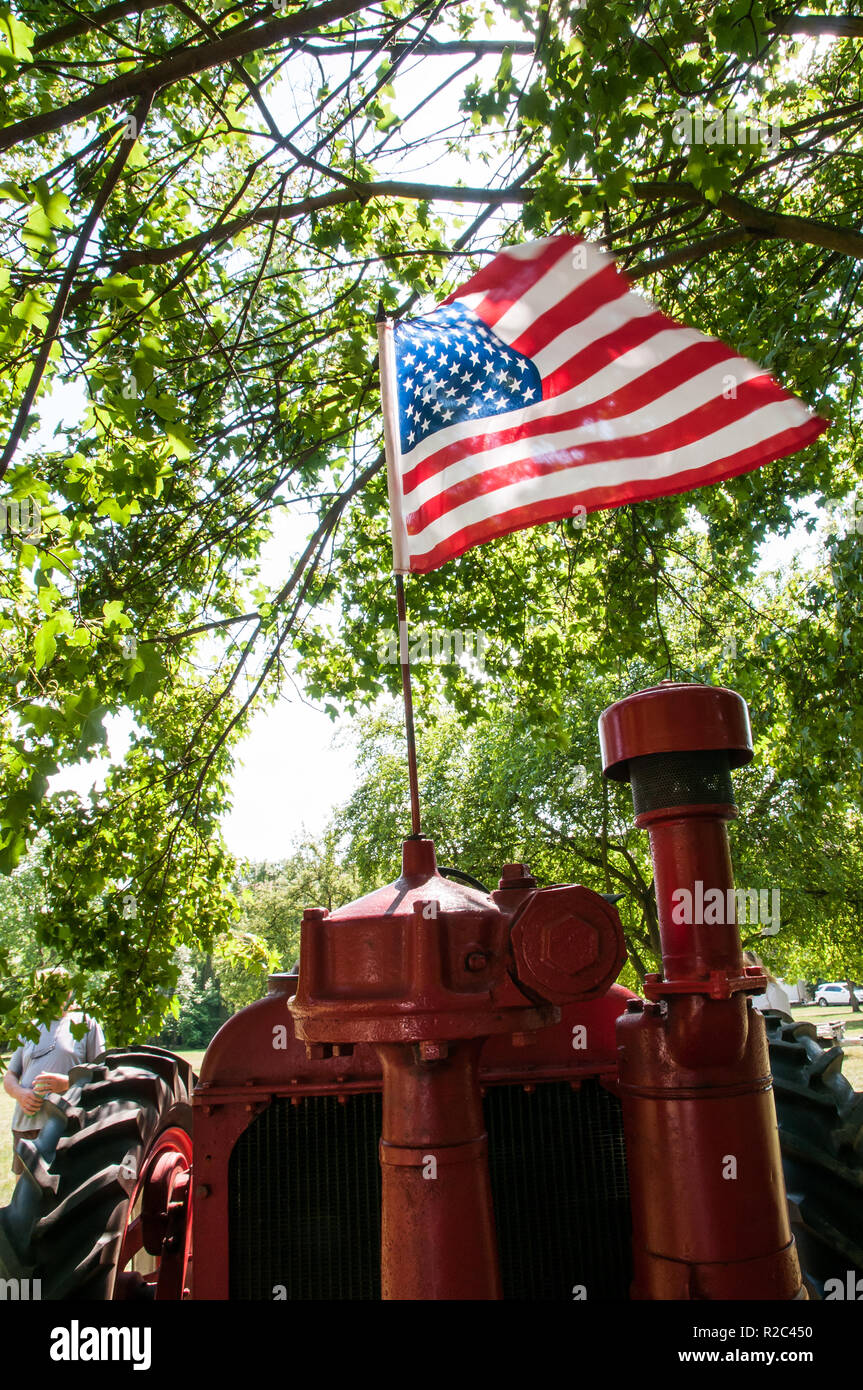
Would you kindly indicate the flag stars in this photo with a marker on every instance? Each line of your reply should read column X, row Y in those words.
column 453, row 368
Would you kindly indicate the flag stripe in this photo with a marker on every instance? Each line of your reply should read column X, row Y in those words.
column 546, row 384
column 598, row 292
column 654, row 398
column 507, row 279
column 563, row 450
column 601, row 496
column 613, row 346
column 558, row 279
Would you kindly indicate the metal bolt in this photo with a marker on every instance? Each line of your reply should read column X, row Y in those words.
column 475, row 960
column 516, row 876
column 433, row 1051
column 635, row 1006
column 515, row 871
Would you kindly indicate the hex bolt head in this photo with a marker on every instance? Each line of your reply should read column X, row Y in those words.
column 567, row 943
column 635, row 1006
column 569, row 947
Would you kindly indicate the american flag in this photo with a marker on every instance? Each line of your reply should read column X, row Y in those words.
column 545, row 388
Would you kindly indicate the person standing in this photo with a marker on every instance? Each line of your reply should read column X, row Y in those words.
column 41, row 1068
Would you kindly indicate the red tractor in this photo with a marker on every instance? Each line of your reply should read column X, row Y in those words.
column 454, row 1100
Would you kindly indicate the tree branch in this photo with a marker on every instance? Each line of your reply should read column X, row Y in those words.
column 427, row 46
column 56, row 317
column 238, row 41
column 358, row 192
column 85, row 22
column 846, row 26
column 806, row 230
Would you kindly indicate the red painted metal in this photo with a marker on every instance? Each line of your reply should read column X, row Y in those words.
column 156, row 1247
column 425, row 970
column 674, row 717
column 255, row 1059
column 708, row 1201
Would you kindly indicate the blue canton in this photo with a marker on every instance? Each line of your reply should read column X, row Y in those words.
column 451, row 367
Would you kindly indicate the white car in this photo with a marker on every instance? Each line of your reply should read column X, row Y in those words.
column 835, row 994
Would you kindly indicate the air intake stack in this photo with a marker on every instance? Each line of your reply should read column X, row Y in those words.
column 708, row 1201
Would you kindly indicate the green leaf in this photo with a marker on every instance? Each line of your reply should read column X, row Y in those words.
column 179, row 439
column 16, row 35
column 44, row 644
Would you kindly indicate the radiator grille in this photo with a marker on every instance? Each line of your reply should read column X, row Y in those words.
column 561, row 1197
column 305, row 1201
column 305, row 1196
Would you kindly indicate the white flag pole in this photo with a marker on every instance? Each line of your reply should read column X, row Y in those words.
column 389, row 403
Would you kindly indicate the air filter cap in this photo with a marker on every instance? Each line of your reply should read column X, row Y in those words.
column 674, row 717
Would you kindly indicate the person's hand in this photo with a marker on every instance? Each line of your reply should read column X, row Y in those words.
column 50, row 1081
column 29, row 1101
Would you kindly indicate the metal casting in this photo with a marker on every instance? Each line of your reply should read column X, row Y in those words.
column 425, row 970
column 708, row 1200
column 255, row 1060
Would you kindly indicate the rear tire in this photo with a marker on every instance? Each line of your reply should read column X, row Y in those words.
column 821, row 1136
column 102, row 1209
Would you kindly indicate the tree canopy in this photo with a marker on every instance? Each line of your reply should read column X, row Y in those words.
column 203, row 206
